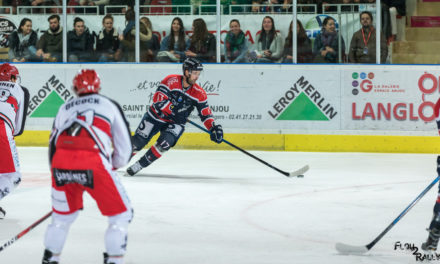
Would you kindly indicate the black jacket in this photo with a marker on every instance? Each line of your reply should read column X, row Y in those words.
column 80, row 45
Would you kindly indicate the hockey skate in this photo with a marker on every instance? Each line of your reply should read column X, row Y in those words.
column 106, row 259
column 46, row 257
column 133, row 169
column 432, row 241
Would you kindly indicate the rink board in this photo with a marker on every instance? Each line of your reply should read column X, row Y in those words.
column 278, row 142
column 365, row 108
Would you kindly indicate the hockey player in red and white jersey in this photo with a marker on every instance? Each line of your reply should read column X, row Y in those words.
column 14, row 101
column 434, row 227
column 90, row 139
column 174, row 100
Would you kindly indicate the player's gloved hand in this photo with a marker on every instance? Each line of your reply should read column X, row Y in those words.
column 438, row 165
column 216, row 133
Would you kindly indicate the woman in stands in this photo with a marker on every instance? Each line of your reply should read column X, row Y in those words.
column 23, row 42
column 269, row 43
column 326, row 45
column 304, row 45
column 173, row 46
column 235, row 43
column 202, row 45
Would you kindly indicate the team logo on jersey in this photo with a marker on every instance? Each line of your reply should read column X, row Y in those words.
column 4, row 95
column 303, row 101
column 48, row 99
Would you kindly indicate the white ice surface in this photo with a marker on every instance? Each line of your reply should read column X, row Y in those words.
column 222, row 207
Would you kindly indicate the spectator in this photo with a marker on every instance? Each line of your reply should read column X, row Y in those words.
column 235, row 43
column 23, row 42
column 258, row 7
column 324, row 8
column 269, row 43
column 203, row 46
column 304, row 45
column 363, row 42
column 390, row 10
column 326, row 46
column 50, row 45
column 36, row 3
column 288, row 6
column 99, row 3
column 347, row 7
column 107, row 42
column 79, row 42
column 128, row 37
column 121, row 9
column 275, row 6
column 173, row 46
column 150, row 45
column 14, row 4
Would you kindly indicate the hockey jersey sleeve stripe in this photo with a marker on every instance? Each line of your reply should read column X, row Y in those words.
column 122, row 144
column 163, row 88
column 8, row 121
column 206, row 111
column 103, row 124
column 208, row 123
column 23, row 112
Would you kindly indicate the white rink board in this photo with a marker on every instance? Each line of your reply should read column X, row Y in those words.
column 264, row 98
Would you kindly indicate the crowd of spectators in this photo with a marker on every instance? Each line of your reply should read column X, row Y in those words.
column 270, row 46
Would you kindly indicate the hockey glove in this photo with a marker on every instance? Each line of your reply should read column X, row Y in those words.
column 438, row 165
column 216, row 133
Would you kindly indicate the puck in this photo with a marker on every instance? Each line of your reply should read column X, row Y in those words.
column 300, row 176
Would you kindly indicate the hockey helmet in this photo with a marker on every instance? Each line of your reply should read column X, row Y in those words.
column 86, row 81
column 192, row 64
column 7, row 71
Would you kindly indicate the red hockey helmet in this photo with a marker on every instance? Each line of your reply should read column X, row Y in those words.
column 86, row 81
column 7, row 71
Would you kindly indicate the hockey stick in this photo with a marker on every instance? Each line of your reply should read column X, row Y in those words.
column 357, row 250
column 298, row 173
column 24, row 232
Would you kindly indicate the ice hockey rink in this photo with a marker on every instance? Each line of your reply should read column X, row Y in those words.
column 223, row 207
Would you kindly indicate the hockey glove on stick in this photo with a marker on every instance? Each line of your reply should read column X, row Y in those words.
column 216, row 133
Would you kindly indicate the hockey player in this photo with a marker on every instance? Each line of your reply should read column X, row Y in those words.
column 434, row 227
column 14, row 101
column 173, row 102
column 85, row 131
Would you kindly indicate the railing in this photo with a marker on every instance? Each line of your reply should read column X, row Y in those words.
column 277, row 9
column 6, row 10
column 85, row 10
column 170, row 9
column 208, row 10
column 166, row 10
column 111, row 9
